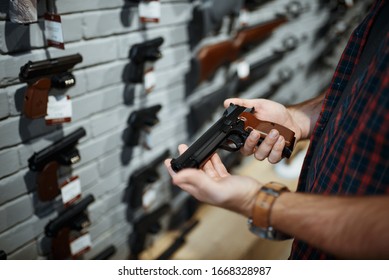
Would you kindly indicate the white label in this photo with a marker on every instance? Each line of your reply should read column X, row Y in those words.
column 53, row 31
column 150, row 11
column 149, row 198
column 349, row 3
column 59, row 109
column 243, row 69
column 145, row 139
column 71, row 190
column 80, row 245
column 149, row 81
column 244, row 17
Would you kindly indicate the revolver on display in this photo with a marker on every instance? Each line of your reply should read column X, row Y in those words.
column 140, row 54
column 43, row 75
column 230, row 133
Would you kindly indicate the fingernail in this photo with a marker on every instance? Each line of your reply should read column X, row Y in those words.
column 273, row 133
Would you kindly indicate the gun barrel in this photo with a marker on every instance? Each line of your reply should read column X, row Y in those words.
column 38, row 160
column 48, row 67
column 67, row 216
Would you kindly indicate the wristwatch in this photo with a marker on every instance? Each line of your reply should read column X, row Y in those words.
column 259, row 223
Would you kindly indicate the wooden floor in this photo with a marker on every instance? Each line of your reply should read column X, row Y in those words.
column 223, row 235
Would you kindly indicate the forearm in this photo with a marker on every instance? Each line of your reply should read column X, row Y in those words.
column 347, row 227
column 306, row 114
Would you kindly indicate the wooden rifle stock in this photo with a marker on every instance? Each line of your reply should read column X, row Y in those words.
column 212, row 57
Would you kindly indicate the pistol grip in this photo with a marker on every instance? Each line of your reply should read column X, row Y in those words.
column 36, row 98
column 47, row 182
column 264, row 127
column 60, row 245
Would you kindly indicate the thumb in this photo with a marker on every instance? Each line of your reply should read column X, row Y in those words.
column 238, row 101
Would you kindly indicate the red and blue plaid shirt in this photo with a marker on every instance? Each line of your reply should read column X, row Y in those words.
column 349, row 150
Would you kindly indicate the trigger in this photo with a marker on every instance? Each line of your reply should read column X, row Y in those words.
column 232, row 143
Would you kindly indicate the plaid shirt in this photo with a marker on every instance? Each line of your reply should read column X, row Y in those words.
column 349, row 151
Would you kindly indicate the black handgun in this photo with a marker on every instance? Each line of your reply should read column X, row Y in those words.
column 148, row 223
column 47, row 161
column 43, row 75
column 69, row 224
column 207, row 18
column 140, row 54
column 180, row 240
column 74, row 218
column 230, row 133
column 139, row 122
column 141, row 177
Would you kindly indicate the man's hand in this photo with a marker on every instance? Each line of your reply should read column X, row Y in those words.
column 214, row 185
column 274, row 143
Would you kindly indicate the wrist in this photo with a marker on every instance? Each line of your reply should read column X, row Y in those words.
column 300, row 124
column 261, row 219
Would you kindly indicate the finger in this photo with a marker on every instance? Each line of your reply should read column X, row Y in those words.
column 276, row 153
column 182, row 148
column 251, row 143
column 172, row 173
column 238, row 101
column 219, row 166
column 209, row 169
column 191, row 180
column 169, row 168
column 267, row 144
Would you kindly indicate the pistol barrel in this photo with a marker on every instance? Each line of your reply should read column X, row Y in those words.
column 33, row 70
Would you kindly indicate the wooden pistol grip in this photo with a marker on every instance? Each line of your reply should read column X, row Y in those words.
column 264, row 128
column 36, row 98
column 47, row 181
column 60, row 244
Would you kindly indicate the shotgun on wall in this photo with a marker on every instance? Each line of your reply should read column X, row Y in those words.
column 211, row 57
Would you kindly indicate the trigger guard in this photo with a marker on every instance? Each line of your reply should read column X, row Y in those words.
column 234, row 139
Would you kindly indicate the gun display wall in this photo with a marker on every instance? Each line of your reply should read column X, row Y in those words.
column 94, row 96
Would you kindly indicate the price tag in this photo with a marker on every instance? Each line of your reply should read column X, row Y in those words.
column 71, row 191
column 149, row 198
column 80, row 245
column 150, row 11
column 243, row 69
column 349, row 3
column 244, row 17
column 150, row 80
column 59, row 110
column 53, row 31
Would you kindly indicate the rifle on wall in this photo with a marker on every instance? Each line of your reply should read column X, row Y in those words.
column 210, row 58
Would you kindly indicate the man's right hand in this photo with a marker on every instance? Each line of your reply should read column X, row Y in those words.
column 274, row 143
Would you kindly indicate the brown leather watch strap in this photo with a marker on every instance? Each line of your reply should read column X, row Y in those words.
column 264, row 202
